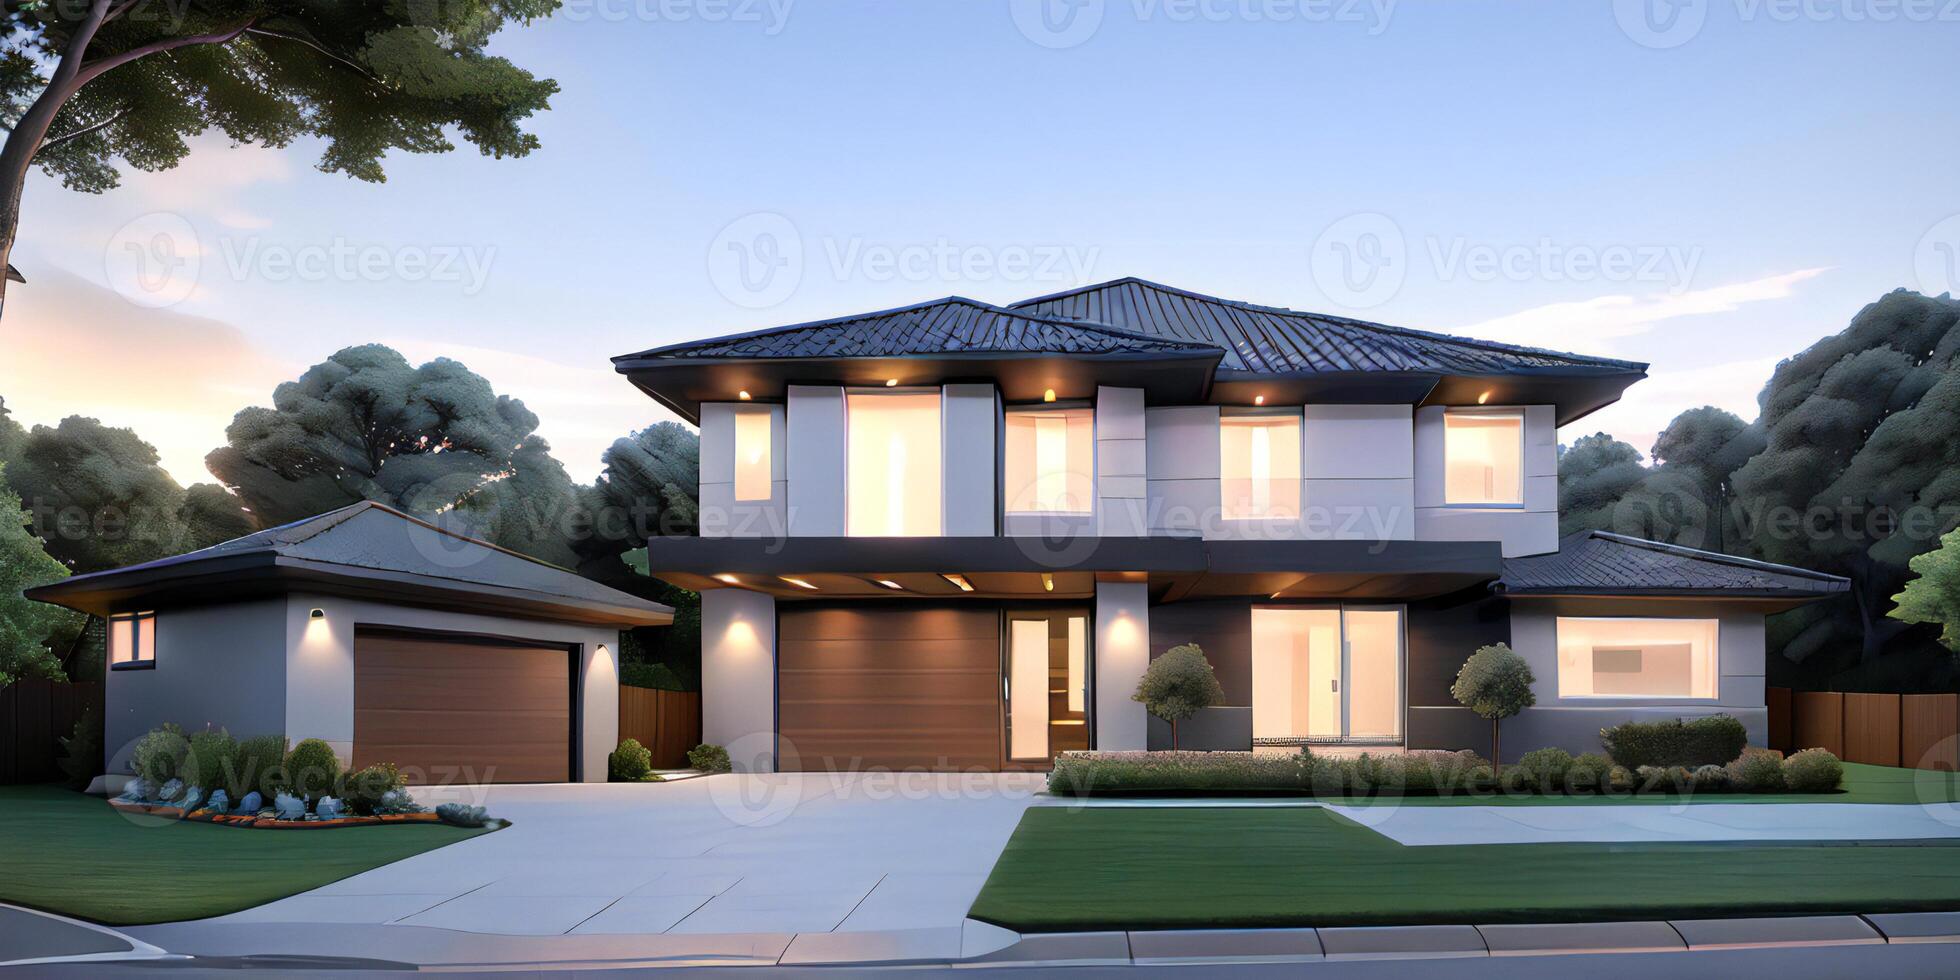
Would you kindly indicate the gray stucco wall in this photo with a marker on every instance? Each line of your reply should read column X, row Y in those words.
column 1531, row 529
column 215, row 665
column 738, row 676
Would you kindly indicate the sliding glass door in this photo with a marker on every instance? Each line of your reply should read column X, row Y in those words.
column 1046, row 684
column 1327, row 674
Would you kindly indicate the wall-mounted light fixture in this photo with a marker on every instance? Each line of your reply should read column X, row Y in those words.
column 317, row 614
column 743, row 395
column 889, row 584
column 1047, row 582
column 959, row 580
column 1048, row 396
column 891, row 382
column 799, row 583
column 730, row 579
column 1483, row 398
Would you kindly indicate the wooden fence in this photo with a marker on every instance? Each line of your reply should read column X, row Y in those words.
column 34, row 715
column 1917, row 731
column 668, row 723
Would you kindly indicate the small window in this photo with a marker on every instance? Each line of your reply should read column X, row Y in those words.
column 1637, row 658
column 752, row 454
column 1483, row 458
column 1259, row 467
column 132, row 641
column 1050, row 461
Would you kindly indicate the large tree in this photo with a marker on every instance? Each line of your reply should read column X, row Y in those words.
column 647, row 489
column 1593, row 474
column 89, row 84
column 435, row 441
column 26, row 626
column 96, row 495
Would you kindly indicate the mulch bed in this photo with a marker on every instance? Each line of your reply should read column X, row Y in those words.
column 267, row 823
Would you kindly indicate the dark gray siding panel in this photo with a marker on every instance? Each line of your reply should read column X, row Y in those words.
column 1443, row 633
column 1223, row 628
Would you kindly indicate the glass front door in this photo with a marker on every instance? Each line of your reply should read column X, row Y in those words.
column 1046, row 684
column 1326, row 674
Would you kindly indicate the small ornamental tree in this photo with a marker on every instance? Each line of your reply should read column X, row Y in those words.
column 1934, row 595
column 1496, row 684
column 1178, row 685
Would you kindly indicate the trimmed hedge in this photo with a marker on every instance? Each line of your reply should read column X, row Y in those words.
column 1711, row 741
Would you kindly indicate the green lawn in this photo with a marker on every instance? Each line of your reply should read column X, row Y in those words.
column 1862, row 784
column 65, row 852
column 1089, row 868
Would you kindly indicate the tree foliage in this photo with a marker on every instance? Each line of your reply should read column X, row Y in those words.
column 1179, row 683
column 1593, row 474
column 26, row 626
column 435, row 441
column 647, row 489
column 1934, row 595
column 1496, row 684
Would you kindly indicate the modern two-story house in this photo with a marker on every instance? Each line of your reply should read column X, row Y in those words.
column 952, row 536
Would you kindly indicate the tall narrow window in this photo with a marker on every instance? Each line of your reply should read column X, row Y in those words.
column 1259, row 466
column 752, row 454
column 1049, row 461
column 132, row 640
column 1483, row 458
column 893, row 464
column 1604, row 657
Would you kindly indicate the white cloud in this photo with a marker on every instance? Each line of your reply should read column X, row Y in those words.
column 1591, row 324
column 1650, row 405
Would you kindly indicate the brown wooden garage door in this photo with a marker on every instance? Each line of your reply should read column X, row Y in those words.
column 461, row 708
column 888, row 686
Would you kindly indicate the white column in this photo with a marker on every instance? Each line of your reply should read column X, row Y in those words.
column 738, row 676
column 1121, row 505
column 815, row 456
column 968, row 418
column 1122, row 654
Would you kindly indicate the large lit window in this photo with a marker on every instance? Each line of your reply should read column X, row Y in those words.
column 893, row 462
column 132, row 640
column 1259, row 466
column 752, row 454
column 1637, row 658
column 1050, row 461
column 1483, row 458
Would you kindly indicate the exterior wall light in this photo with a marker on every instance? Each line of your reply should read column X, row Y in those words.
column 1483, row 398
column 317, row 614
column 799, row 583
column 1259, row 399
column 1048, row 396
column 743, row 395
column 1047, row 582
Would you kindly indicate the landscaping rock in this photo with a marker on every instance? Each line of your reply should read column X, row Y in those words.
column 461, row 814
column 136, row 790
column 191, row 798
column 171, row 791
column 252, row 803
column 327, row 809
column 220, row 802
column 286, row 806
column 397, row 801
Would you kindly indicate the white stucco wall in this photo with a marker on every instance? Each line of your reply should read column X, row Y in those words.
column 1358, row 463
column 969, row 419
column 1181, row 467
column 1122, row 655
column 721, row 514
column 221, row 665
column 738, row 676
column 1122, row 496
column 1528, row 530
column 815, row 455
column 319, row 675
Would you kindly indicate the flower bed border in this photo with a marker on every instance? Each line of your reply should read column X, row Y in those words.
column 267, row 823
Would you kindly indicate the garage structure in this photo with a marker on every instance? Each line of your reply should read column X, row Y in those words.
column 387, row 637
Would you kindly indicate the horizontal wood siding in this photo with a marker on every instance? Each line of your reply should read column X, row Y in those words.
column 668, row 723
column 445, row 708
column 888, row 687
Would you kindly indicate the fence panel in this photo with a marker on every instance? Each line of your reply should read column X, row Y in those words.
column 1928, row 726
column 1871, row 729
column 1817, row 721
column 34, row 715
column 668, row 723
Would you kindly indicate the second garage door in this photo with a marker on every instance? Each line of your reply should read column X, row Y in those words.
column 447, row 708
column 888, row 687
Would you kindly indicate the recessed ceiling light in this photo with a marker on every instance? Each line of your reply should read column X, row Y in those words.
column 1048, row 396
column 1483, row 398
column 743, row 395
column 959, row 580
column 1259, row 399
column 889, row 584
column 799, row 583
column 891, row 382
column 725, row 577
column 1047, row 582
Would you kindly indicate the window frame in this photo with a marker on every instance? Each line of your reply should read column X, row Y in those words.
column 1291, row 414
column 1069, row 411
column 1713, row 625
column 1481, row 411
column 767, row 415
column 137, row 621
column 938, row 463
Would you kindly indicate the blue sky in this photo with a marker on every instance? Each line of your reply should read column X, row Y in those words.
column 1709, row 206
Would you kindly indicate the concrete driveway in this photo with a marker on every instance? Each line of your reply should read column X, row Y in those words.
column 804, row 853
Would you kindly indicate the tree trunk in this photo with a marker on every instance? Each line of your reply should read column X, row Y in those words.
column 1496, row 757
column 1173, row 734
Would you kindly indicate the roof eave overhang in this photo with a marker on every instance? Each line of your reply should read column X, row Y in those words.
column 1769, row 600
column 264, row 574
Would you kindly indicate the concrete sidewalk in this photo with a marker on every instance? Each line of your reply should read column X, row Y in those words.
column 1436, row 826
column 32, row 938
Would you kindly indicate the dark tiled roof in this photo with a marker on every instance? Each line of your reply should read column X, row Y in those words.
column 1269, row 340
column 372, row 538
column 1600, row 563
column 953, row 325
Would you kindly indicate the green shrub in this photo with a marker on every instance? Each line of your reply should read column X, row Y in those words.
column 1547, row 768
column 1496, row 684
column 1812, row 771
column 1621, row 780
column 1711, row 779
column 211, row 756
column 1756, row 771
column 259, row 765
column 630, row 763
column 1589, row 773
column 159, row 754
column 312, row 769
column 1177, row 685
column 709, row 758
column 81, row 752
column 1663, row 779
column 363, row 789
column 1175, row 773
column 1714, row 740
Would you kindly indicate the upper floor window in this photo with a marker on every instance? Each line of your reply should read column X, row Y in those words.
column 1483, row 457
column 892, row 464
column 1259, row 466
column 132, row 640
column 1603, row 657
column 1049, row 463
column 752, row 453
